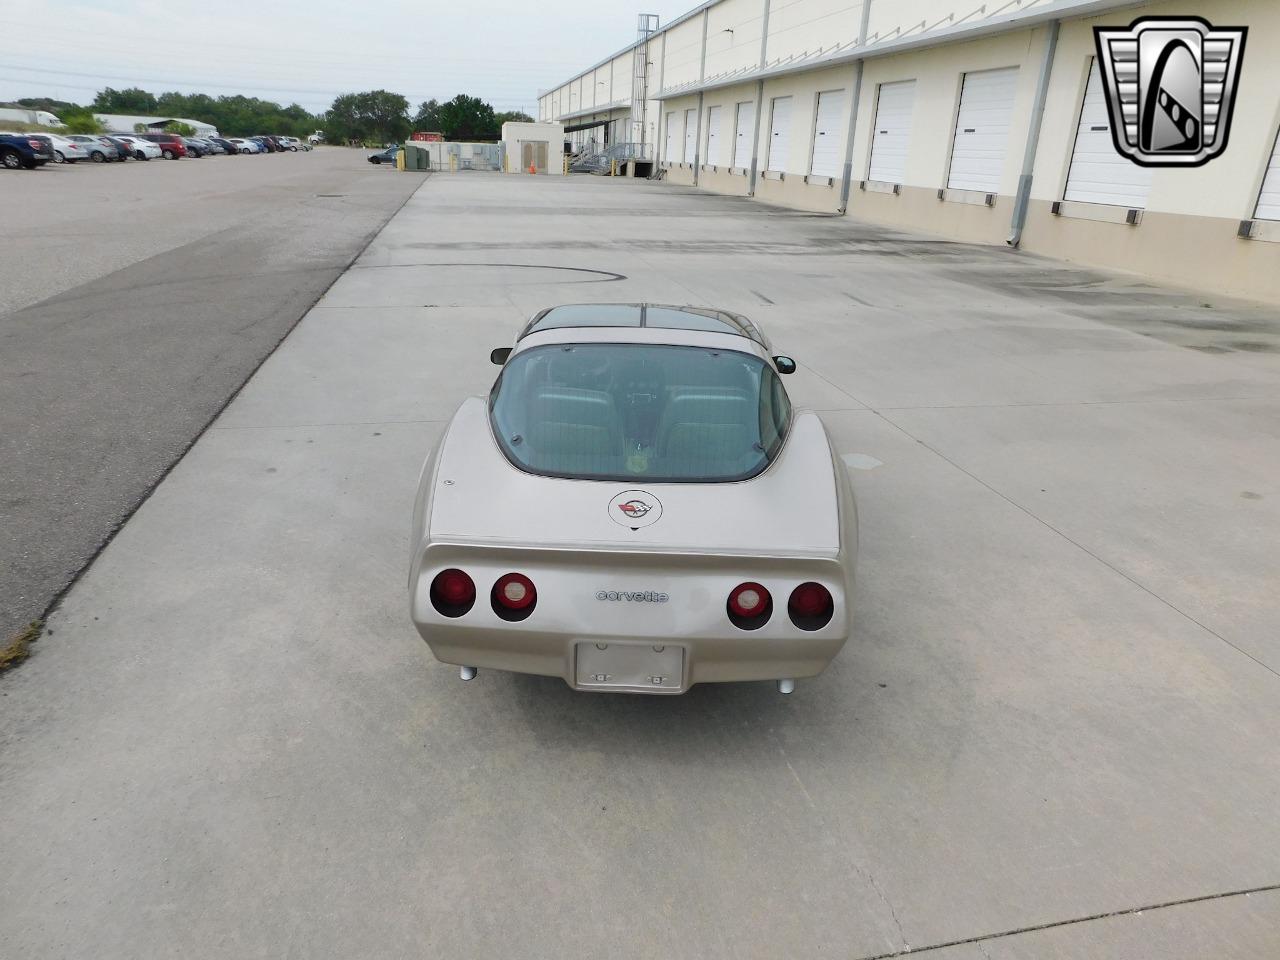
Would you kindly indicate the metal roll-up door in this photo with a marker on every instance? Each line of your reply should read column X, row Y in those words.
column 779, row 134
column 690, row 135
column 827, row 159
column 669, row 150
column 744, row 131
column 1099, row 173
column 891, row 134
column 982, row 130
column 1269, row 199
column 713, row 137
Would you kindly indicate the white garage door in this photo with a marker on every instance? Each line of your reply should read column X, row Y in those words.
column 690, row 135
column 744, row 132
column 891, row 135
column 1099, row 174
column 669, row 151
column 713, row 137
column 779, row 134
column 1269, row 201
column 828, row 148
column 982, row 130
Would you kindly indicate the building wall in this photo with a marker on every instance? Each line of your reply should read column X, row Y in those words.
column 1186, row 233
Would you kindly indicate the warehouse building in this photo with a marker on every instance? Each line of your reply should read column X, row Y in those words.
column 980, row 122
column 128, row 123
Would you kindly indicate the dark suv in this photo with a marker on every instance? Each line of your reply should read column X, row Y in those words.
column 18, row 151
column 171, row 144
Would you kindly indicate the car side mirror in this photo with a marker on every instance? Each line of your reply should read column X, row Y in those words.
column 784, row 364
column 499, row 355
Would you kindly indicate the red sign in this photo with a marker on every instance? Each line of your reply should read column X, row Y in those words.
column 429, row 137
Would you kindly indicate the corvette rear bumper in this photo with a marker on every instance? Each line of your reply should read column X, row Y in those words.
column 705, row 660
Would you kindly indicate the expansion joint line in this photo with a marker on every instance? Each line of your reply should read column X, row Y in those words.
column 1053, row 925
column 1078, row 545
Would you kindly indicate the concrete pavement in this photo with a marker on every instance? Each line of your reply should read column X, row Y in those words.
column 161, row 287
column 1053, row 736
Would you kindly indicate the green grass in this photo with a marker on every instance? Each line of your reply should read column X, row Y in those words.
column 18, row 648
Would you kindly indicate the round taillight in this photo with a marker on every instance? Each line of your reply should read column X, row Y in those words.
column 748, row 599
column 452, row 592
column 515, row 591
column 749, row 606
column 810, row 606
column 513, row 596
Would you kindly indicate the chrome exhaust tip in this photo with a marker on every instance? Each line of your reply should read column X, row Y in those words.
column 467, row 673
column 786, row 686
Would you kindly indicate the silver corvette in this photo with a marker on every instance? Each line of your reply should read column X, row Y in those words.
column 635, row 507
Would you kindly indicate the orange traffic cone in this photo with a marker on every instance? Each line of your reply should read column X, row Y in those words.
column 533, row 169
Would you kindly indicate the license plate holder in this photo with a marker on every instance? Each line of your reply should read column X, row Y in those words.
column 629, row 667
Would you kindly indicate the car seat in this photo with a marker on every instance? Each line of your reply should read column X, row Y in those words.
column 708, row 432
column 575, row 431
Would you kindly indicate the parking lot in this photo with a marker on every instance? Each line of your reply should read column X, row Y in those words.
column 135, row 298
column 1053, row 734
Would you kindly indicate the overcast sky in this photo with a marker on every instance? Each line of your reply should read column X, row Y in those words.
column 504, row 51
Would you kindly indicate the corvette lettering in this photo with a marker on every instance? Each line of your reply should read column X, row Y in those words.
column 637, row 596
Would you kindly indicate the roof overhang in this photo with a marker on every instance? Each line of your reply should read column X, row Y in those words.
column 934, row 35
column 598, row 108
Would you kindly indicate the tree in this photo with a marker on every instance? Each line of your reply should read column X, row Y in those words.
column 181, row 129
column 56, row 107
column 234, row 116
column 428, row 116
column 133, row 100
column 464, row 118
column 81, row 120
column 512, row 116
column 378, row 115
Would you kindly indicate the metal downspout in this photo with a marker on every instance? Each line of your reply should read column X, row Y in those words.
column 755, row 143
column 853, row 111
column 1023, row 199
column 660, row 148
column 702, row 74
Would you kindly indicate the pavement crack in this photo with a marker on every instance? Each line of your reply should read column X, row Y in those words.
column 985, row 938
column 852, row 862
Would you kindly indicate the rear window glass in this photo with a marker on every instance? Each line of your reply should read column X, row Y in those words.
column 658, row 413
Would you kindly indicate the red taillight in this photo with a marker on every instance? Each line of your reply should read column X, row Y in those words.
column 35, row 144
column 810, row 606
column 513, row 597
column 749, row 600
column 452, row 592
column 515, row 591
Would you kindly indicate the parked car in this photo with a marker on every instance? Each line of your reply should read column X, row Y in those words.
column 98, row 151
column 123, row 150
column 224, row 144
column 289, row 143
column 635, row 508
column 386, row 156
column 20, row 151
column 171, row 145
column 195, row 148
column 140, row 148
column 246, row 146
column 274, row 145
column 211, row 146
column 64, row 150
